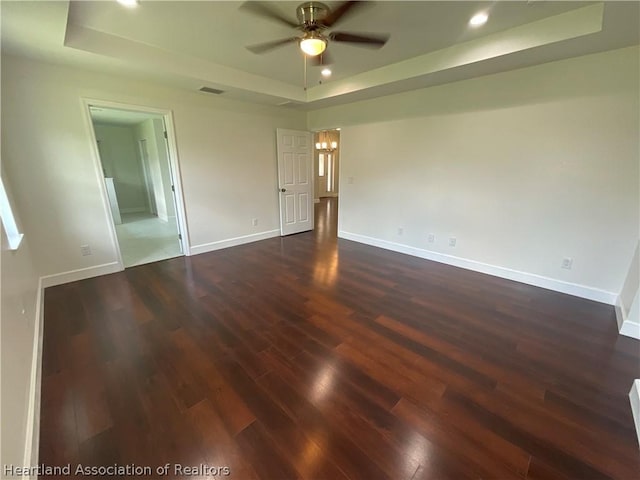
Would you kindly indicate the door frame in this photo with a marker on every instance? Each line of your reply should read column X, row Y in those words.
column 174, row 166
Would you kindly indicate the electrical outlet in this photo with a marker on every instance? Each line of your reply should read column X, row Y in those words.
column 400, row 230
column 431, row 238
column 567, row 263
column 452, row 241
column 254, row 222
column 85, row 250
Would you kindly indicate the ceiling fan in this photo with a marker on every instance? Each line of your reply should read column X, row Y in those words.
column 314, row 19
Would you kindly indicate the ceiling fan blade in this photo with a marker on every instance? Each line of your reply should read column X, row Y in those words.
column 340, row 11
column 369, row 40
column 321, row 60
column 267, row 11
column 266, row 46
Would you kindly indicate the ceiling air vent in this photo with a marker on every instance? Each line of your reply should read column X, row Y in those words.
column 215, row 91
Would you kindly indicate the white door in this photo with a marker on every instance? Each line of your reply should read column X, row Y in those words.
column 295, row 179
column 174, row 198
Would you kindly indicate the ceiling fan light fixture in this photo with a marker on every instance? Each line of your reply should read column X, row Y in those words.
column 313, row 44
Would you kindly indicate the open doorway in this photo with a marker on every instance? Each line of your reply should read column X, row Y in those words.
column 327, row 181
column 327, row 162
column 139, row 183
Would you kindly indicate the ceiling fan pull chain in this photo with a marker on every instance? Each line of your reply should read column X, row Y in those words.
column 305, row 72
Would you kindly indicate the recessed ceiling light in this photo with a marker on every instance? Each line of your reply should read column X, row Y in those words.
column 479, row 19
column 129, row 3
column 326, row 72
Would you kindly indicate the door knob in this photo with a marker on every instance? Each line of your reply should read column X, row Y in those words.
column 283, row 190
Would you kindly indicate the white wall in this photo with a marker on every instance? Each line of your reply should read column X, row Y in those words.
column 18, row 295
column 226, row 151
column 523, row 168
column 119, row 154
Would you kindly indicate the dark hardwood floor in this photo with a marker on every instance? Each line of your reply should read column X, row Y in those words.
column 316, row 358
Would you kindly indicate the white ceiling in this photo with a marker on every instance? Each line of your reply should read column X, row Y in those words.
column 193, row 44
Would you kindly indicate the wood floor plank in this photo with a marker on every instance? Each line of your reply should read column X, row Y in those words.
column 57, row 414
column 230, row 407
column 464, row 429
column 475, row 455
column 262, row 452
column 215, row 441
column 563, row 448
column 100, row 450
column 341, row 448
column 318, row 358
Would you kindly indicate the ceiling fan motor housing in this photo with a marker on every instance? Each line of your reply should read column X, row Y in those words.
column 313, row 20
column 311, row 13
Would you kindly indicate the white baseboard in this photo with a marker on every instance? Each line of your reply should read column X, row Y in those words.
column 634, row 399
column 134, row 210
column 630, row 329
column 502, row 272
column 32, row 436
column 232, row 242
column 629, row 322
column 80, row 274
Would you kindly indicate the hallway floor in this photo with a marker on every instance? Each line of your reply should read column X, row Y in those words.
column 144, row 238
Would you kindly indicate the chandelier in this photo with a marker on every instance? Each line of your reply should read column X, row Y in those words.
column 325, row 143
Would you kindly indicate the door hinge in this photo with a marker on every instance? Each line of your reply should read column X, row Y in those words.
column 173, row 189
column 179, row 236
column 165, row 134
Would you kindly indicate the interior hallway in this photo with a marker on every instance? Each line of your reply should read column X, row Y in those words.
column 326, row 220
